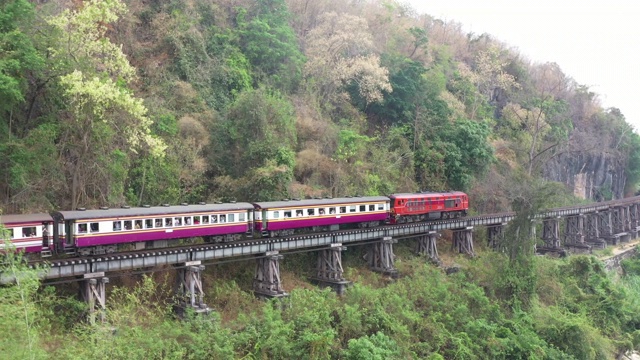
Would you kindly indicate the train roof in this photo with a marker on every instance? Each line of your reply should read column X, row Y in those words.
column 420, row 194
column 146, row 211
column 24, row 218
column 315, row 202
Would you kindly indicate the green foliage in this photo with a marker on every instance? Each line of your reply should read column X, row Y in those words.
column 409, row 91
column 632, row 169
column 21, row 324
column 455, row 154
column 351, row 145
column 18, row 53
column 577, row 312
column 208, row 59
column 631, row 267
column 374, row 347
column 270, row 45
column 258, row 131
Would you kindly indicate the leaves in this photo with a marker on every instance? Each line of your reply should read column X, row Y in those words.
column 339, row 52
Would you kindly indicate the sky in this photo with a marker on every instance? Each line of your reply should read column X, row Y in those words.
column 597, row 43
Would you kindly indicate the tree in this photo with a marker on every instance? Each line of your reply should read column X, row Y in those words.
column 488, row 76
column 374, row 347
column 541, row 124
column 257, row 137
column 104, row 122
column 20, row 329
column 340, row 52
column 453, row 154
column 18, row 54
column 270, row 45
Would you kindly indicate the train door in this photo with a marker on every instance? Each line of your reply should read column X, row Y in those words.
column 68, row 230
column 46, row 234
column 250, row 222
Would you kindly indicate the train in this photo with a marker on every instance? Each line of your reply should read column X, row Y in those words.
column 110, row 230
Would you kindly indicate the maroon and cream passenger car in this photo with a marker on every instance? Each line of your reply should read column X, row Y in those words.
column 278, row 218
column 102, row 231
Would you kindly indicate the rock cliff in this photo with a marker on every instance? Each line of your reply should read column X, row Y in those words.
column 591, row 175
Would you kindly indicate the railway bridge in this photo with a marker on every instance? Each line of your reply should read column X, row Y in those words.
column 574, row 229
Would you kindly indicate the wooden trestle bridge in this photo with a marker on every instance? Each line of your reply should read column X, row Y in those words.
column 573, row 229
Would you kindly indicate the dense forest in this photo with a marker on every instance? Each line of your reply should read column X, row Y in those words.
column 114, row 102
column 106, row 103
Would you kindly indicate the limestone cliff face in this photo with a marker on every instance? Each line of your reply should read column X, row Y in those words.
column 591, row 175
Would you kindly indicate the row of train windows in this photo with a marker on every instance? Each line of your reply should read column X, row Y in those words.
column 331, row 210
column 119, row 225
column 26, row 232
column 447, row 203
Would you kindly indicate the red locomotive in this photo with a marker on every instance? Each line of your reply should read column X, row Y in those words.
column 413, row 207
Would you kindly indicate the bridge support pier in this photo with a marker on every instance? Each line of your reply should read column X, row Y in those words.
column 633, row 221
column 93, row 292
column 550, row 234
column 381, row 258
column 427, row 246
column 592, row 231
column 495, row 235
column 463, row 241
column 329, row 271
column 574, row 234
column 267, row 283
column 189, row 289
column 618, row 233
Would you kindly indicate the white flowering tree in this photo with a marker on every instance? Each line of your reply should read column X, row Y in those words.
column 339, row 53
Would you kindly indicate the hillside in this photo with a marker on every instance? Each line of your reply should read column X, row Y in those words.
column 112, row 102
column 108, row 103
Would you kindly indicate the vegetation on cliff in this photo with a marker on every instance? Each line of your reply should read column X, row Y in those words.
column 562, row 309
column 113, row 102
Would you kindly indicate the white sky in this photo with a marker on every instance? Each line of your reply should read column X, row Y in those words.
column 594, row 42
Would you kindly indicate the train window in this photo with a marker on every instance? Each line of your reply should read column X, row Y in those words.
column 298, row 212
column 127, row 225
column 187, row 220
column 223, row 218
column 363, row 208
column 148, row 223
column 352, row 208
column 205, row 219
column 276, row 214
column 343, row 209
column 138, row 224
column 10, row 233
column 177, row 222
column 196, row 220
column 31, row 231
column 320, row 211
column 117, row 225
column 93, row 226
column 214, row 219
column 311, row 212
column 241, row 216
column 287, row 214
column 380, row 206
column 372, row 207
column 231, row 217
column 168, row 222
column 82, row 229
column 332, row 210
